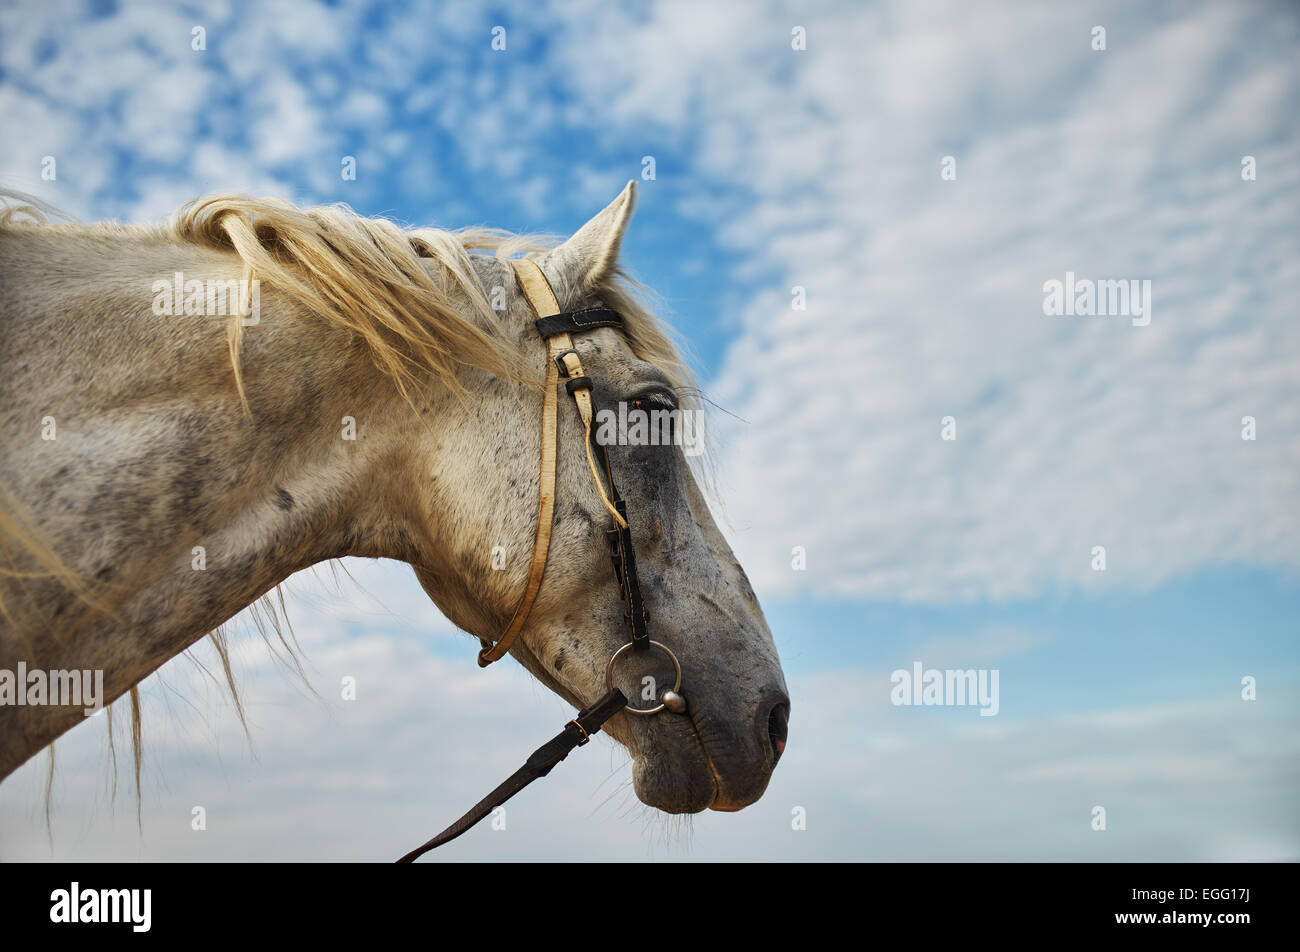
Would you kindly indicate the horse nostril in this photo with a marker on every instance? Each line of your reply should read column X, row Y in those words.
column 777, row 723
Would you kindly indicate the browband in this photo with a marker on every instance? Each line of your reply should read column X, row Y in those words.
column 571, row 322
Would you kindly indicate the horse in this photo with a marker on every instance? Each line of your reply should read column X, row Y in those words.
column 193, row 411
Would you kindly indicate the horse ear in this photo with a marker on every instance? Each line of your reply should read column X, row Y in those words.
column 589, row 257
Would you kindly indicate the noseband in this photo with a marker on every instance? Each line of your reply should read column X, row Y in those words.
column 556, row 328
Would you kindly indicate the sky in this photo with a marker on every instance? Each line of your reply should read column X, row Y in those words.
column 914, row 175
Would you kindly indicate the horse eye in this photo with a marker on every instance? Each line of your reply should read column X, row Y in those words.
column 654, row 400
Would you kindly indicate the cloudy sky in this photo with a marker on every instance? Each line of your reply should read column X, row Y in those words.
column 776, row 168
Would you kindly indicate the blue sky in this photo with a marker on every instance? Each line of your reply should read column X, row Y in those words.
column 774, row 168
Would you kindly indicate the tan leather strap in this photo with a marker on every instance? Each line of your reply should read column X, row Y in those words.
column 536, row 288
column 542, row 298
column 559, row 346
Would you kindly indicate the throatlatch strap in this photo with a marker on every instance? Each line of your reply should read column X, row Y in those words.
column 542, row 299
column 559, row 355
column 576, row 733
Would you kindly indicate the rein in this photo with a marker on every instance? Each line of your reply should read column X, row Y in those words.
column 562, row 361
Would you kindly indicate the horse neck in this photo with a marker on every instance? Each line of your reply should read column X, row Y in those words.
column 177, row 507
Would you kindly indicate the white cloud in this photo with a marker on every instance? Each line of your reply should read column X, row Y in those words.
column 925, row 296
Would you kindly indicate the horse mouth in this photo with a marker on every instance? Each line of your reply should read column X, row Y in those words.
column 674, row 787
column 746, row 772
column 723, row 805
column 689, row 763
column 685, row 776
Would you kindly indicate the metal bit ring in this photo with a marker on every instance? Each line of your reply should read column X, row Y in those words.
column 677, row 684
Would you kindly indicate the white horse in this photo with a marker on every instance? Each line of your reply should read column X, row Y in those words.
column 363, row 390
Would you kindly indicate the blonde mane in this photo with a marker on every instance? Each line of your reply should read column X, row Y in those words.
column 369, row 276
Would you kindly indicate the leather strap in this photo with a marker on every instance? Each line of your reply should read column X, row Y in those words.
column 572, row 322
column 576, row 733
column 560, row 358
column 542, row 299
column 623, row 555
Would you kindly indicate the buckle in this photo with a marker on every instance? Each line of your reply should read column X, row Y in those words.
column 559, row 361
column 582, row 732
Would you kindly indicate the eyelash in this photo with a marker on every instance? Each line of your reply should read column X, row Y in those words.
column 654, row 401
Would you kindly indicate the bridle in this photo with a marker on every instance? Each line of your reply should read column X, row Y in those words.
column 556, row 328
